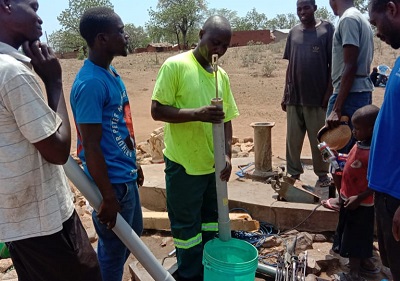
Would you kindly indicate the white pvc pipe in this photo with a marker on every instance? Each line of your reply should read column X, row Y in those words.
column 122, row 229
column 224, row 225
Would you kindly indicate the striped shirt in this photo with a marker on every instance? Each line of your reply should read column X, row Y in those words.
column 35, row 198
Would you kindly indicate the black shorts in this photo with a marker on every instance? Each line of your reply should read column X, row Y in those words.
column 354, row 235
column 389, row 248
column 63, row 256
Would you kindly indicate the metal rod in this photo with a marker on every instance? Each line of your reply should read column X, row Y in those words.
column 267, row 269
column 122, row 229
column 214, row 59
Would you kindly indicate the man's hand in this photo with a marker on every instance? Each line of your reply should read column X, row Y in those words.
column 44, row 61
column 283, row 105
column 210, row 113
column 226, row 172
column 396, row 225
column 333, row 119
column 108, row 210
column 140, row 176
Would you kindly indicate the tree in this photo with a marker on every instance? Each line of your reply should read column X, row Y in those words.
column 256, row 20
column 252, row 21
column 324, row 14
column 64, row 41
column 282, row 21
column 230, row 15
column 292, row 20
column 241, row 24
column 361, row 5
column 69, row 18
column 138, row 37
column 68, row 37
column 176, row 17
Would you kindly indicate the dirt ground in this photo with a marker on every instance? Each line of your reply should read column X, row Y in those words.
column 257, row 95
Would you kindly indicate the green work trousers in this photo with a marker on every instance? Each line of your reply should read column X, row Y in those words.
column 302, row 119
column 193, row 213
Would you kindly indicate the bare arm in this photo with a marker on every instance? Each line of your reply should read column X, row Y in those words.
column 329, row 87
column 96, row 164
column 353, row 202
column 329, row 90
column 284, row 97
column 56, row 148
column 350, row 54
column 170, row 114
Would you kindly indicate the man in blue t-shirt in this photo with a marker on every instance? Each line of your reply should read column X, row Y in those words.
column 384, row 162
column 106, row 141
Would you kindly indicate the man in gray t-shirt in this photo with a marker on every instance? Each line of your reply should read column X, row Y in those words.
column 353, row 50
column 352, row 54
column 308, row 87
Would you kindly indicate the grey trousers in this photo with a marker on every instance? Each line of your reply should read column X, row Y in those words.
column 302, row 119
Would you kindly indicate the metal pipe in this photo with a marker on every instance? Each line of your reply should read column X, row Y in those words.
column 266, row 269
column 122, row 229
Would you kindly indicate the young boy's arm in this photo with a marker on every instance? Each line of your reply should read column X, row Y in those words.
column 353, row 202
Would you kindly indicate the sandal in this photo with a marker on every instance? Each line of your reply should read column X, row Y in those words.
column 368, row 266
column 330, row 205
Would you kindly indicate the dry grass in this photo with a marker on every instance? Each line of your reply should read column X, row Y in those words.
column 257, row 74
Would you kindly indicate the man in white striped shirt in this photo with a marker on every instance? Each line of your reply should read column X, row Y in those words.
column 38, row 222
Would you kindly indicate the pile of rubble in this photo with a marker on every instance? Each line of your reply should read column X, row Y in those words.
column 150, row 151
column 7, row 271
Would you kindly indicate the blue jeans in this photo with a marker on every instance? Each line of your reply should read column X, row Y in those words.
column 112, row 253
column 353, row 102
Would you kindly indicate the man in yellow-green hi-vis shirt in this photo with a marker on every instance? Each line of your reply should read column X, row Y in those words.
column 182, row 95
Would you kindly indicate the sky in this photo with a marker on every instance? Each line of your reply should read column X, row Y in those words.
column 136, row 11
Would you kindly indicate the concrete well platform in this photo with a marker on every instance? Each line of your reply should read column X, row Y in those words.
column 258, row 198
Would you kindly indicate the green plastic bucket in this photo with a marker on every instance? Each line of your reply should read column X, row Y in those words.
column 234, row 260
column 4, row 253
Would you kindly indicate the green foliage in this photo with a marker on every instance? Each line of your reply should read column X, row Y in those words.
column 240, row 24
column 277, row 48
column 64, row 41
column 69, row 18
column 231, row 16
column 324, row 14
column 256, row 21
column 68, row 38
column 81, row 54
column 253, row 53
column 269, row 67
column 259, row 57
column 252, row 21
column 361, row 5
column 282, row 21
column 138, row 37
column 175, row 18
